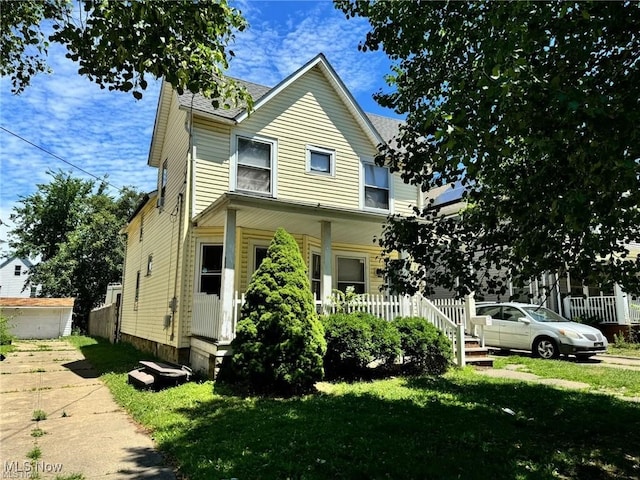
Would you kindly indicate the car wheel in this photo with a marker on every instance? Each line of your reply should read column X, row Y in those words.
column 546, row 348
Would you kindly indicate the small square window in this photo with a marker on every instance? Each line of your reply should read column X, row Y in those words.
column 321, row 160
column 17, row 270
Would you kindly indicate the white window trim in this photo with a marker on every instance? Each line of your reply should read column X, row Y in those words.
column 369, row 160
column 216, row 241
column 233, row 175
column 251, row 256
column 332, row 160
column 315, row 251
column 354, row 255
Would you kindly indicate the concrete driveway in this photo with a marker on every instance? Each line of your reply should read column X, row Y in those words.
column 84, row 433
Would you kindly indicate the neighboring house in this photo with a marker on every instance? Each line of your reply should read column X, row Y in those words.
column 302, row 160
column 38, row 317
column 562, row 293
column 13, row 278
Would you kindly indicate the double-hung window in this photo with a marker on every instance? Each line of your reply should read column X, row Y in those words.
column 351, row 273
column 255, row 160
column 377, row 192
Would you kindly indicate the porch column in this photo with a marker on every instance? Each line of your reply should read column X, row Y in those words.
column 622, row 305
column 327, row 264
column 227, row 290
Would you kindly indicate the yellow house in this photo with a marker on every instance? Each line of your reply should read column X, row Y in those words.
column 227, row 179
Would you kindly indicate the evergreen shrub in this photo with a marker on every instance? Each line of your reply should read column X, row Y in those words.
column 279, row 345
column 355, row 340
column 425, row 349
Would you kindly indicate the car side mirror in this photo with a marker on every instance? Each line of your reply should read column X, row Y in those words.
column 524, row 320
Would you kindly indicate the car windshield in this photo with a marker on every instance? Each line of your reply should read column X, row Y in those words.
column 542, row 314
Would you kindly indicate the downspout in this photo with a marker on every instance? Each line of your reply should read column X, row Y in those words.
column 174, row 300
column 188, row 184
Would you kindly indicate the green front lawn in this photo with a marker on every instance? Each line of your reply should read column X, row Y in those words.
column 460, row 426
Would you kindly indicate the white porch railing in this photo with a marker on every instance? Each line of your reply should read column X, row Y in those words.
column 603, row 308
column 452, row 308
column 634, row 311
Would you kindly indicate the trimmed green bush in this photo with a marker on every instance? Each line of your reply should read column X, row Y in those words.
column 354, row 340
column 425, row 349
column 279, row 345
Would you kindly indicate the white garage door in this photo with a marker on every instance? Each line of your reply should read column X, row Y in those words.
column 38, row 322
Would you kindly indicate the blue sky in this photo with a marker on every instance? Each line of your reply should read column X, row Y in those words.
column 109, row 133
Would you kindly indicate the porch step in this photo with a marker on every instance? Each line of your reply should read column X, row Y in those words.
column 475, row 355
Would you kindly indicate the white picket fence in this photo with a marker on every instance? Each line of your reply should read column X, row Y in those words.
column 634, row 311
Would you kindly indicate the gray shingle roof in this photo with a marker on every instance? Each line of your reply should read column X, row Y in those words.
column 202, row 104
column 386, row 127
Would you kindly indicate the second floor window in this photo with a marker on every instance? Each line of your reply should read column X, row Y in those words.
column 255, row 166
column 17, row 270
column 376, row 187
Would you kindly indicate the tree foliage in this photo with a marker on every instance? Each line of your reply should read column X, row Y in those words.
column 71, row 226
column 533, row 107
column 120, row 44
column 279, row 344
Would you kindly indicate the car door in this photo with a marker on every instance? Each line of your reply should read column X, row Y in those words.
column 491, row 332
column 513, row 332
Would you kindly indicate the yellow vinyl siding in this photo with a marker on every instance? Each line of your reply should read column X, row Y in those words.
column 247, row 238
column 162, row 235
column 307, row 245
column 309, row 112
column 212, row 147
column 405, row 196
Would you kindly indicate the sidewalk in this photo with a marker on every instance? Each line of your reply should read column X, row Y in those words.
column 85, row 432
column 515, row 372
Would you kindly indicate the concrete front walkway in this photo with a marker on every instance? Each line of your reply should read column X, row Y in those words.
column 84, row 432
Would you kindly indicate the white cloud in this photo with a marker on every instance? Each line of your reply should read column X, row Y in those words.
column 271, row 50
column 106, row 132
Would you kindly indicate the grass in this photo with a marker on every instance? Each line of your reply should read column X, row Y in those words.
column 38, row 432
column 459, row 426
column 5, row 349
column 625, row 349
column 39, row 415
column 35, row 453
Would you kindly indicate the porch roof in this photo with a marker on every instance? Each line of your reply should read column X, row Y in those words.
column 263, row 213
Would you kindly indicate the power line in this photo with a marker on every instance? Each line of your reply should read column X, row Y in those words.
column 101, row 179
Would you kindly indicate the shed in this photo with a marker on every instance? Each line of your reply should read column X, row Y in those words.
column 38, row 317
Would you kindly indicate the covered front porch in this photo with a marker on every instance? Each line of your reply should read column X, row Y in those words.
column 453, row 318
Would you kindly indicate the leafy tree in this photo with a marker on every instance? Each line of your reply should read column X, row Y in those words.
column 72, row 227
column 120, row 44
column 533, row 107
column 279, row 344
